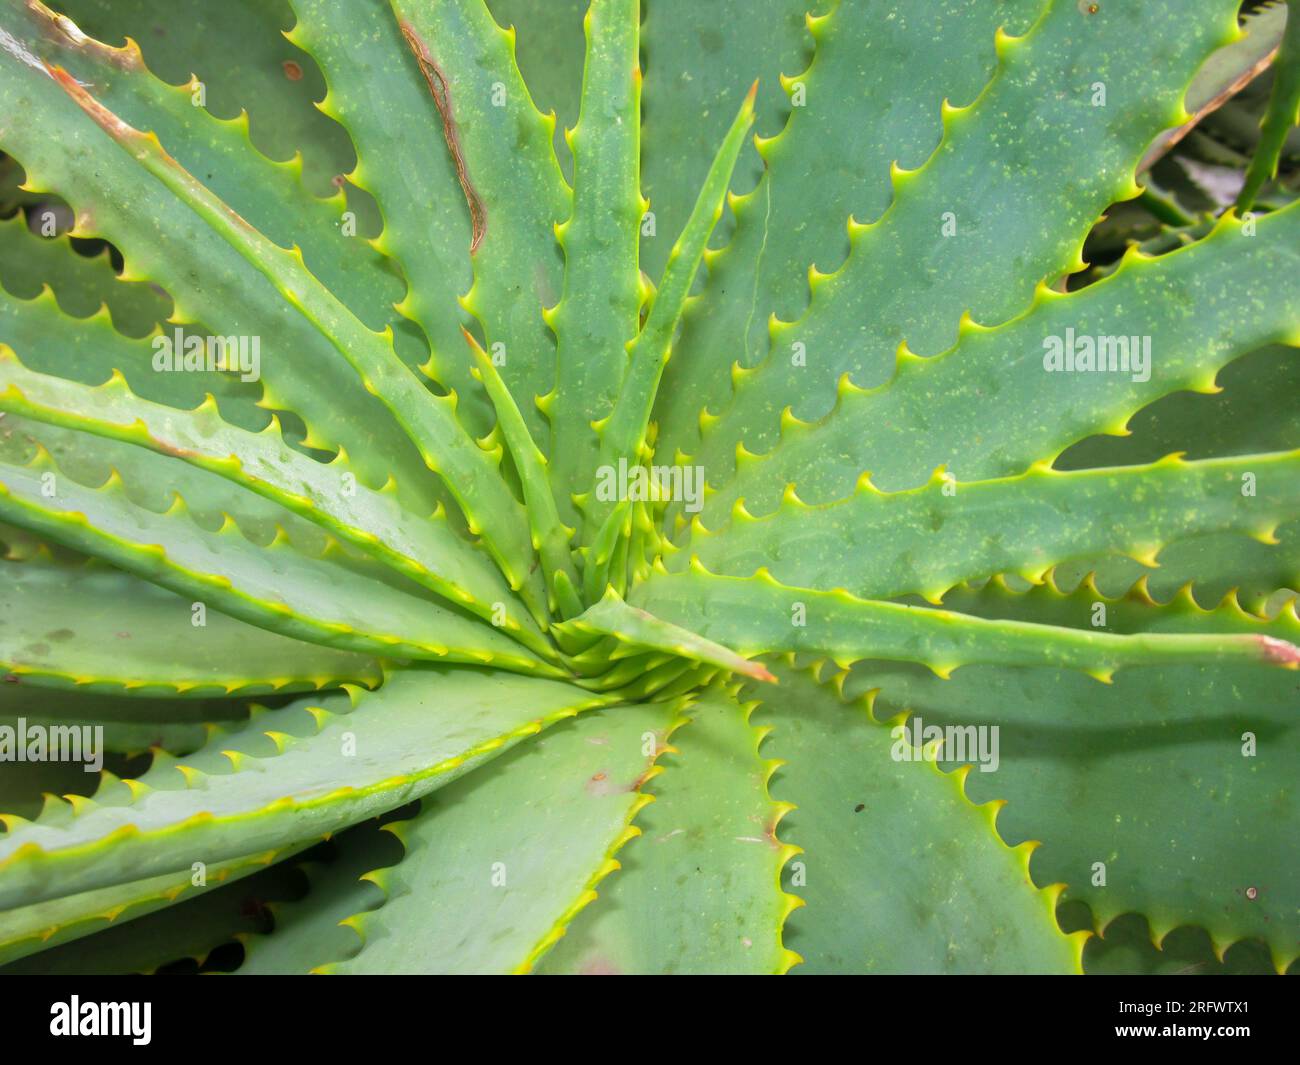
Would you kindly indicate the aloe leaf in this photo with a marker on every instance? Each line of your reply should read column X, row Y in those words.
column 550, row 537
column 1127, row 949
column 712, row 830
column 151, row 480
column 1099, row 779
column 882, row 837
column 623, row 433
column 696, row 56
column 1179, row 323
column 1217, row 562
column 99, row 630
column 165, row 240
column 90, row 349
column 1247, row 413
column 1226, row 72
column 498, row 904
column 756, row 615
column 240, row 54
column 839, row 141
column 1251, row 412
column 599, row 312
column 130, row 724
column 82, row 284
column 44, row 926
column 468, row 471
column 510, row 179
column 277, row 587
column 1282, row 115
column 599, row 554
column 408, row 170
column 923, row 540
column 637, row 630
column 428, row 552
column 912, row 274
column 549, row 48
column 270, row 195
column 311, row 931
column 261, row 788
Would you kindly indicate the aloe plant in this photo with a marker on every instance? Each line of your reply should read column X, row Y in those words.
column 606, row 613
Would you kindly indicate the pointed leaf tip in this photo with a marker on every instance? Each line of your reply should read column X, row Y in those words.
column 1279, row 652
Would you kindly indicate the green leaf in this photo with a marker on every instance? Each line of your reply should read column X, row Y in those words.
column 623, row 433
column 269, row 195
column 510, row 178
column 1099, row 774
column 1282, row 115
column 1022, row 174
column 240, row 53
column 94, row 629
column 278, row 586
column 428, row 552
column 710, row 837
column 756, row 615
column 839, row 141
column 405, row 164
column 482, row 892
column 637, row 630
column 550, row 538
column 82, row 284
column 924, row 540
column 90, row 349
column 599, row 312
column 131, row 724
column 113, row 912
column 698, row 54
column 900, row 871
column 264, row 787
column 310, row 931
column 549, row 48
column 1181, row 309
column 165, row 239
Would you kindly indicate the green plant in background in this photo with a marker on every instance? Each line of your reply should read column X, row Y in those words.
column 406, row 508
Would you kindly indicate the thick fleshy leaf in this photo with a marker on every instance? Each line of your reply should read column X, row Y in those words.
column 978, row 226
column 94, row 629
column 1153, row 328
column 710, row 837
column 140, row 926
column 211, row 280
column 623, row 433
column 1283, row 112
column 756, row 615
column 310, row 931
column 278, row 586
column 698, row 55
column 925, row 540
column 289, row 775
column 500, row 145
column 428, row 551
column 900, row 871
column 240, row 54
column 839, row 141
column 1098, row 774
column 497, row 865
column 598, row 315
